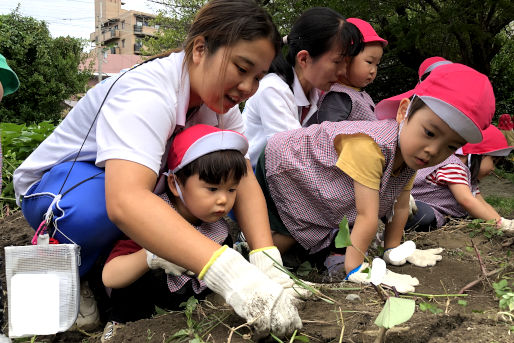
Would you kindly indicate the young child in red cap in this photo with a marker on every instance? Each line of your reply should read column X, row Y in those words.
column 450, row 189
column 347, row 100
column 361, row 170
column 205, row 167
column 429, row 64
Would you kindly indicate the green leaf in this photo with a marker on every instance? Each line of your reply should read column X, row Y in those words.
column 301, row 338
column 342, row 239
column 462, row 302
column 395, row 311
column 304, row 268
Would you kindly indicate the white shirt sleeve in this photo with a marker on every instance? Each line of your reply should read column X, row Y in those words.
column 136, row 122
column 278, row 111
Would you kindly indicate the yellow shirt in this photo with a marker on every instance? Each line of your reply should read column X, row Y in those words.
column 362, row 160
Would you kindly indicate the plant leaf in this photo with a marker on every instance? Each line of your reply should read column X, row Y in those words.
column 395, row 311
column 304, row 268
column 342, row 239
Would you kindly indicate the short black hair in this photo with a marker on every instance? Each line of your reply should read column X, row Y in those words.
column 215, row 167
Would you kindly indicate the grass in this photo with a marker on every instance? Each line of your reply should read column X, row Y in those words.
column 503, row 205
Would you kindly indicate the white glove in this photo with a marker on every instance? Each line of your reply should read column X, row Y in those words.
column 506, row 225
column 267, row 266
column 253, row 295
column 418, row 257
column 156, row 262
column 412, row 206
column 402, row 282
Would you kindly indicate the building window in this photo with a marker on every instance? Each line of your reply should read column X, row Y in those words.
column 122, row 43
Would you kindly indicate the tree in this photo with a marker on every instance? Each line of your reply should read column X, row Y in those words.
column 47, row 69
column 472, row 32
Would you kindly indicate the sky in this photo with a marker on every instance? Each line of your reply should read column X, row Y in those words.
column 68, row 17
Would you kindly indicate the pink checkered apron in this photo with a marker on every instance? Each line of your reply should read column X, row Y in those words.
column 311, row 193
column 363, row 106
column 218, row 232
column 439, row 196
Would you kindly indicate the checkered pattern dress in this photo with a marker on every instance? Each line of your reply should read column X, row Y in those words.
column 218, row 232
column 311, row 193
column 363, row 106
column 437, row 194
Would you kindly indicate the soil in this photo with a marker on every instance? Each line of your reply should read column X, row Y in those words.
column 478, row 319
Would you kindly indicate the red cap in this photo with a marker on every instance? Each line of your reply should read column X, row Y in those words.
column 430, row 64
column 461, row 96
column 201, row 139
column 493, row 144
column 505, row 122
column 368, row 33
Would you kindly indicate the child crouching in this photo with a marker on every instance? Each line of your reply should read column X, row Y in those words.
column 206, row 165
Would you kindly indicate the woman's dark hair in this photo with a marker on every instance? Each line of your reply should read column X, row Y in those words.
column 215, row 167
column 225, row 22
column 316, row 31
column 474, row 167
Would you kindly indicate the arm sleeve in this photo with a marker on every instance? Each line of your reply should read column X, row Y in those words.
column 123, row 247
column 361, row 159
column 278, row 111
column 335, row 107
column 450, row 173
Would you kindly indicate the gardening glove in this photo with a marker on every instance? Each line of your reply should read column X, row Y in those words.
column 269, row 261
column 263, row 303
column 418, row 257
column 412, row 207
column 156, row 262
column 506, row 225
column 402, row 282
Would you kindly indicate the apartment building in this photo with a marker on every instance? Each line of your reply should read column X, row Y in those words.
column 118, row 30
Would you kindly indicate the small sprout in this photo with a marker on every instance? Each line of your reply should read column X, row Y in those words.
column 429, row 307
column 462, row 302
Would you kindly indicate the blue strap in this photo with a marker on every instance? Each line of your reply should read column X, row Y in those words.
column 355, row 270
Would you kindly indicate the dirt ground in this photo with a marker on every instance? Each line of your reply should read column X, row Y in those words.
column 477, row 319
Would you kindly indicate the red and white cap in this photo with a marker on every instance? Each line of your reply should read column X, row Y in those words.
column 368, row 33
column 430, row 64
column 461, row 96
column 199, row 140
column 493, row 144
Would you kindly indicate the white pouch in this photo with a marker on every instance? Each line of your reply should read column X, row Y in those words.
column 43, row 288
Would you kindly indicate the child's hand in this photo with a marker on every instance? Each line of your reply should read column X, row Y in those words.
column 156, row 262
column 402, row 282
column 265, row 260
column 420, row 258
column 263, row 303
column 506, row 225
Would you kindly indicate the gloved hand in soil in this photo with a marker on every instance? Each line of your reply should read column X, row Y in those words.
column 267, row 259
column 417, row 257
column 263, row 303
column 156, row 262
column 402, row 282
column 506, row 225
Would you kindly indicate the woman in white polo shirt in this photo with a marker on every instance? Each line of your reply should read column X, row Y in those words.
column 287, row 97
column 123, row 128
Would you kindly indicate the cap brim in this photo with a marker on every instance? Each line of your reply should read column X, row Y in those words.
column 9, row 80
column 501, row 152
column 455, row 119
column 216, row 141
column 376, row 39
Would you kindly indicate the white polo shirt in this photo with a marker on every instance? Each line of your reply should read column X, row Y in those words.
column 275, row 108
column 135, row 123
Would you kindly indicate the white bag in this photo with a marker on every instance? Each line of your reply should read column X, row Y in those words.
column 43, row 288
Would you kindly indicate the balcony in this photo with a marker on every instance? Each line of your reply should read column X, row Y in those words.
column 140, row 30
column 138, row 48
column 112, row 34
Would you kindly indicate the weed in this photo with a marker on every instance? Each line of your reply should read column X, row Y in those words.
column 429, row 307
column 505, row 294
column 149, row 335
column 487, row 228
column 462, row 303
